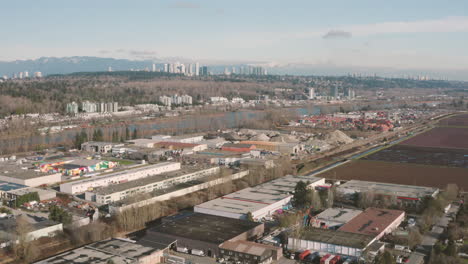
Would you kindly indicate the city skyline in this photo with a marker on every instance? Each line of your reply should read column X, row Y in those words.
column 401, row 35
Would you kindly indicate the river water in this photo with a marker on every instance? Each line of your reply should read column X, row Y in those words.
column 190, row 123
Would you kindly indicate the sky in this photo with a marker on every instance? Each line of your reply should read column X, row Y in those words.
column 400, row 34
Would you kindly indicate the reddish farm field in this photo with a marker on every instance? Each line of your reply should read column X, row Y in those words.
column 441, row 137
column 460, row 120
column 400, row 173
column 422, row 155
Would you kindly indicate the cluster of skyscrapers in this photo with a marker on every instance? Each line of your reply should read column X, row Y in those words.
column 246, row 70
column 348, row 93
column 175, row 100
column 92, row 107
column 23, row 75
column 194, row 69
column 191, row 69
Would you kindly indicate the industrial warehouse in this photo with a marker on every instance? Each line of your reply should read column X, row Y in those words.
column 334, row 218
column 346, row 232
column 131, row 174
column 375, row 222
column 399, row 191
column 114, row 250
column 25, row 173
column 116, row 192
column 261, row 201
column 202, row 232
column 330, row 241
column 176, row 190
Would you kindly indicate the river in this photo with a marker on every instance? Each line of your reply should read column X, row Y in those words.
column 189, row 123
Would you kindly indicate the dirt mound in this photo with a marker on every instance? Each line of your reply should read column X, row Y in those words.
column 337, row 137
column 285, row 139
column 260, row 137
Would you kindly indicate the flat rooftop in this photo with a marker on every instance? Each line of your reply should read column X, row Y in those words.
column 23, row 171
column 202, row 227
column 255, row 198
column 247, row 247
column 8, row 225
column 333, row 237
column 8, row 186
column 143, row 141
column 122, row 172
column 27, row 190
column 399, row 190
column 217, row 154
column 120, row 251
column 77, row 163
column 100, row 143
column 372, row 221
column 338, row 215
column 171, row 144
column 113, row 188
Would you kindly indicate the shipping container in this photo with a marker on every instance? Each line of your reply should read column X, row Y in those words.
column 182, row 249
column 312, row 257
column 330, row 258
column 304, row 254
column 198, row 252
column 324, row 258
column 335, row 260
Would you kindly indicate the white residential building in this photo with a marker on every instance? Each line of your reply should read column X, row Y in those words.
column 89, row 107
column 197, row 69
column 237, row 100
column 72, row 108
column 186, row 99
column 165, row 100
column 218, row 100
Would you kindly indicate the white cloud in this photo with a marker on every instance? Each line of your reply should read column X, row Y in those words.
column 337, row 34
column 447, row 24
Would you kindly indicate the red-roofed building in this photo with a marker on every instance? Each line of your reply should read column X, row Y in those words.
column 238, row 147
column 374, row 222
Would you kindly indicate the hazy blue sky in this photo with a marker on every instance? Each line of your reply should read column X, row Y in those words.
column 397, row 33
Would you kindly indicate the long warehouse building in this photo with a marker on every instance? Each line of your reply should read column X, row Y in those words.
column 402, row 192
column 117, row 192
column 118, row 177
column 261, row 201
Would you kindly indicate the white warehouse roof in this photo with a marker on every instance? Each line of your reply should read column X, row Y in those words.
column 255, row 199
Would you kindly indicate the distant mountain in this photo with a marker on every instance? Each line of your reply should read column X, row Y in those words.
column 65, row 65
column 52, row 65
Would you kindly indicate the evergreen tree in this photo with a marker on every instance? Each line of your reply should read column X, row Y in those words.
column 250, row 217
column 127, row 133
column 57, row 214
column 385, row 258
column 135, row 134
column 300, row 194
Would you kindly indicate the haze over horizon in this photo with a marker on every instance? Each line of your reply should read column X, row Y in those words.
column 366, row 34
